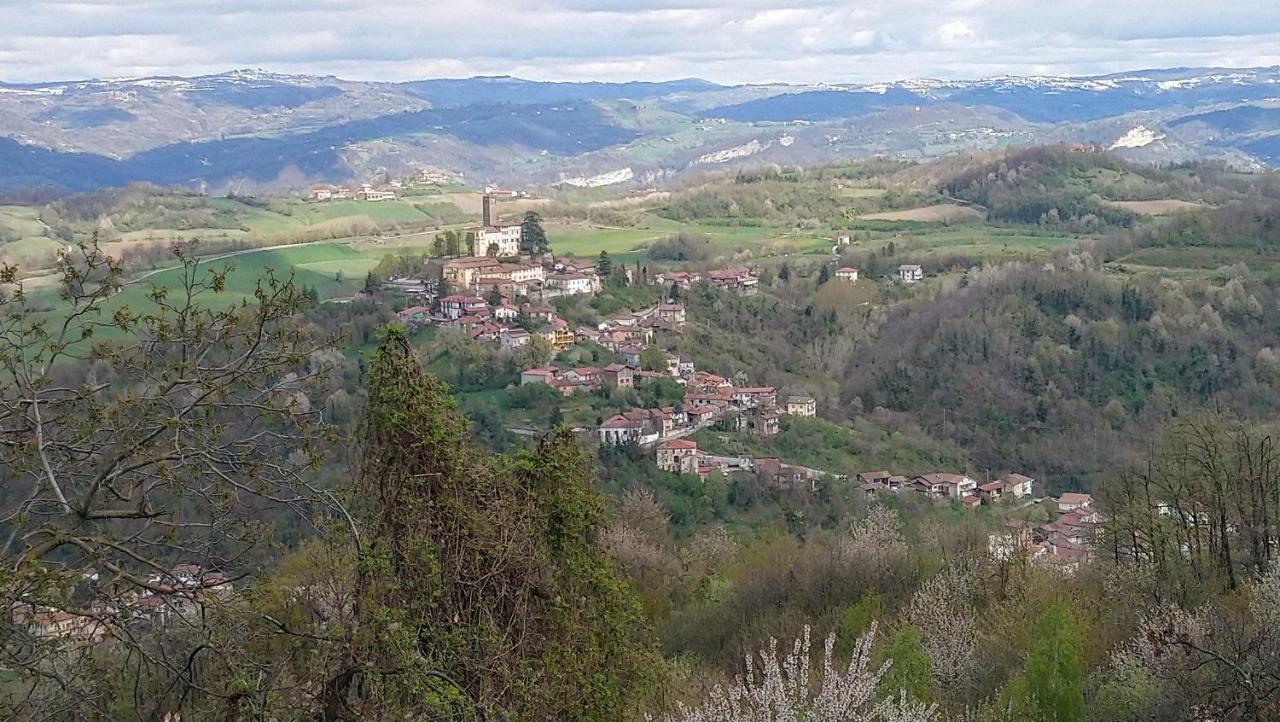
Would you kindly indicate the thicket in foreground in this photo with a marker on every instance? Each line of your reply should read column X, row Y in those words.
column 484, row 571
column 784, row 691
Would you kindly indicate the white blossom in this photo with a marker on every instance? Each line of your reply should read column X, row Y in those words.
column 783, row 691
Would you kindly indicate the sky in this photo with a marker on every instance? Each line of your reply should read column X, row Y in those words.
column 726, row 41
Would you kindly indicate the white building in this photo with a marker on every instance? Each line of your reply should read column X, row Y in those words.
column 847, row 274
column 373, row 195
column 572, row 284
column 513, row 338
column 910, row 273
column 805, row 406
column 505, row 237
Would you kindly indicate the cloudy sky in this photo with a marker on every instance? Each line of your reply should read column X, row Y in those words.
column 729, row 41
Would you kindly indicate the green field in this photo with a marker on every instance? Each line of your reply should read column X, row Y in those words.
column 23, row 236
column 302, row 213
column 586, row 240
column 315, row 266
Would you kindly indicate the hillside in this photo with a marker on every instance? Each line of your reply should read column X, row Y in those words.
column 260, row 132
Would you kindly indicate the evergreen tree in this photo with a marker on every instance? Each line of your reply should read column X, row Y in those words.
column 784, row 273
column 533, row 238
column 310, row 296
column 484, row 571
column 452, row 244
column 371, row 284
column 604, row 266
column 824, row 274
column 1055, row 669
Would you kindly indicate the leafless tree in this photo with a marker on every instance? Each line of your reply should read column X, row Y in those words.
column 148, row 443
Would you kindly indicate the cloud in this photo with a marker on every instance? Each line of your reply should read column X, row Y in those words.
column 731, row 41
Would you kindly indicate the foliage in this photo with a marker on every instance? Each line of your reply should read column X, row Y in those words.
column 1055, row 670
column 910, row 670
column 475, row 561
column 782, row 691
column 683, row 247
column 533, row 239
column 134, row 440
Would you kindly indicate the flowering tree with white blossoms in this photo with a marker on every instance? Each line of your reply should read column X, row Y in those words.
column 783, row 690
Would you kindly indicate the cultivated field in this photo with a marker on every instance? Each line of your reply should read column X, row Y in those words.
column 1158, row 208
column 939, row 213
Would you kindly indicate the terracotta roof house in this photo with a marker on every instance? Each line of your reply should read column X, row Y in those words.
column 1019, row 485
column 1070, row 501
column 955, row 486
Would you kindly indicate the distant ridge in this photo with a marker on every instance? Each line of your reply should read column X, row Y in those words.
column 251, row 128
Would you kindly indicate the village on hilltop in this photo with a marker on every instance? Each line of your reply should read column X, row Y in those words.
column 501, row 291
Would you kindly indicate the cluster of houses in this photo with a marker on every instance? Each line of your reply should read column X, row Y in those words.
column 682, row 456
column 171, row 595
column 709, row 400
column 376, row 193
column 512, row 278
column 949, row 487
column 1064, row 543
column 366, row 192
column 736, row 279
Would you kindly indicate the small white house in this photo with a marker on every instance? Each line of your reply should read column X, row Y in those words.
column 572, row 284
column 910, row 273
column 513, row 338
column 847, row 274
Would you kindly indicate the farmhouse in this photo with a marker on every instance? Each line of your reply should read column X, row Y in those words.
column 513, row 338
column 1018, row 485
column 571, row 284
column 847, row 274
column 617, row 375
column 740, row 280
column 910, row 273
column 1071, row 501
column 749, row 397
column 463, row 272
column 458, row 306
column 672, row 312
column 537, row 376
column 955, row 486
column 373, row 195
column 414, row 316
column 678, row 456
column 801, row 406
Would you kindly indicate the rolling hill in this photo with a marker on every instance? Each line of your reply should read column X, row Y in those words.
column 252, row 131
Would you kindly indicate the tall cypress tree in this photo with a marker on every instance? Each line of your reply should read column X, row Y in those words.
column 488, row 571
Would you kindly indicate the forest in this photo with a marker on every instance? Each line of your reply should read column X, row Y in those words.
column 294, row 510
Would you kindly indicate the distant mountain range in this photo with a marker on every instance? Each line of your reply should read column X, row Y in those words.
column 250, row 131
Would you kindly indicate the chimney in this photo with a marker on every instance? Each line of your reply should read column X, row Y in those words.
column 488, row 210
